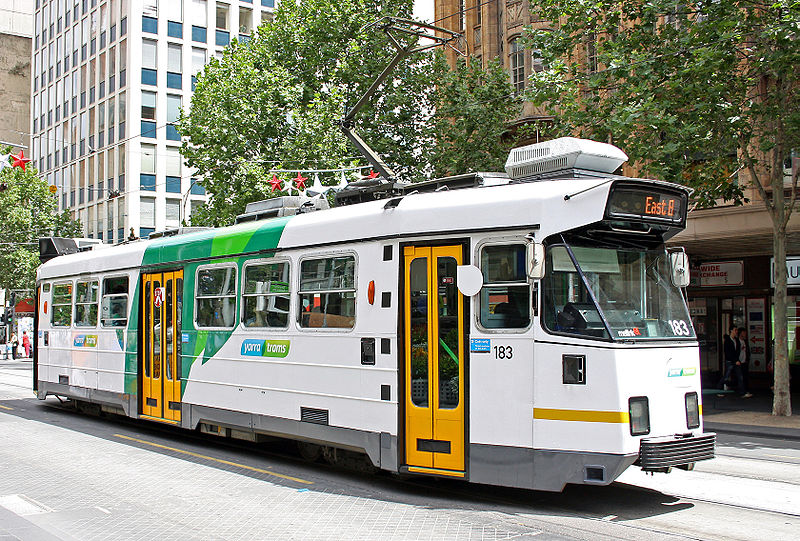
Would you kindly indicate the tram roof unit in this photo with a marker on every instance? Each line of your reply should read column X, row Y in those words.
column 571, row 200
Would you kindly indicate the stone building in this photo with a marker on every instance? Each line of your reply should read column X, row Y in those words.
column 16, row 31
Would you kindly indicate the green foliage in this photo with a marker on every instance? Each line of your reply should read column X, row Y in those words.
column 275, row 103
column 700, row 93
column 28, row 211
column 688, row 90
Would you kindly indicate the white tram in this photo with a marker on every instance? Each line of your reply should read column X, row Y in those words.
column 524, row 330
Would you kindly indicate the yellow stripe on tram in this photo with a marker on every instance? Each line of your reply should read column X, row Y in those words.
column 585, row 416
column 205, row 457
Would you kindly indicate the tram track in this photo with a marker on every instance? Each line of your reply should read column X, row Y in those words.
column 537, row 513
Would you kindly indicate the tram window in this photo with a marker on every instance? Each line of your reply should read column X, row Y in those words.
column 216, row 297
column 266, row 295
column 505, row 296
column 86, row 297
column 568, row 308
column 327, row 293
column 114, row 305
column 62, row 305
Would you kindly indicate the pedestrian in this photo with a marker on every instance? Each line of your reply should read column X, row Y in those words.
column 26, row 344
column 14, row 344
column 744, row 360
column 732, row 364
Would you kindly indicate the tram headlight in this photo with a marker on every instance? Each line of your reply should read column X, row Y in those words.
column 639, row 410
column 692, row 411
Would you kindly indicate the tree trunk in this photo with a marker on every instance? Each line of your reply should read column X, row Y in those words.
column 781, row 404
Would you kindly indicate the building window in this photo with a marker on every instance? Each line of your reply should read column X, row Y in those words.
column 173, row 168
column 462, row 15
column 148, row 114
column 173, row 112
column 174, row 66
column 268, row 3
column 591, row 53
column 148, row 169
column 245, row 21
column 149, row 62
column 327, row 293
column 517, row 64
column 265, row 295
column 199, row 20
column 505, row 295
column 147, row 215
column 216, row 297
column 223, row 28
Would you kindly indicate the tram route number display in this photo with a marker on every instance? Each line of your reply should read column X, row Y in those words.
column 625, row 202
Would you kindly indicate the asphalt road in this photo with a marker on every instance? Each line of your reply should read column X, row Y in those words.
column 69, row 475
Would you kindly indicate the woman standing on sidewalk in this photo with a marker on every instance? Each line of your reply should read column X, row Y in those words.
column 26, row 344
column 14, row 342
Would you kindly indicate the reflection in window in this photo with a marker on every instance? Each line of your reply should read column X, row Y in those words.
column 418, row 305
column 216, row 297
column 327, row 292
column 86, row 297
column 114, row 306
column 505, row 296
column 266, row 295
column 568, row 308
column 62, row 305
column 449, row 340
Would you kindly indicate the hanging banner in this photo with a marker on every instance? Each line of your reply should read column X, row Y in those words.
column 757, row 334
column 719, row 273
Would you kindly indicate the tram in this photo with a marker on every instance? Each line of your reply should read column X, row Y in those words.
column 525, row 329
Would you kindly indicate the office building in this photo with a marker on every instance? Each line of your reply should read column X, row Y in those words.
column 109, row 79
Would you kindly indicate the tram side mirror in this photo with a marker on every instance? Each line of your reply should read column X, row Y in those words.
column 469, row 279
column 535, row 260
column 679, row 265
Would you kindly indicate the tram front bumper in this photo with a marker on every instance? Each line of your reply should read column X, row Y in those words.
column 661, row 454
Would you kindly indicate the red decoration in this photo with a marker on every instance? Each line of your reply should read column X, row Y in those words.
column 372, row 174
column 300, row 182
column 19, row 161
column 275, row 183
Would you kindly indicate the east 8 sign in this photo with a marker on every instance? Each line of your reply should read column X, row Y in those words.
column 158, row 296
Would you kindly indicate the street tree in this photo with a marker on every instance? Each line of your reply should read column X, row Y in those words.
column 28, row 211
column 275, row 103
column 700, row 93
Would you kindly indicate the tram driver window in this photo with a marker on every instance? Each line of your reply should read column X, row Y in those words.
column 114, row 306
column 86, row 296
column 266, row 295
column 327, row 293
column 62, row 305
column 567, row 306
column 505, row 296
column 216, row 297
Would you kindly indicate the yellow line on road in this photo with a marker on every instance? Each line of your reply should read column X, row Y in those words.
column 205, row 457
column 783, row 456
column 7, row 408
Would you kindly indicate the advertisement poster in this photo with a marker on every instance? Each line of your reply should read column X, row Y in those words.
column 756, row 334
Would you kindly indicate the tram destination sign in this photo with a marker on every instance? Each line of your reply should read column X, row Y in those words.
column 647, row 203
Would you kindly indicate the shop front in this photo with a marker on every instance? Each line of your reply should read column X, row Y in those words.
column 739, row 292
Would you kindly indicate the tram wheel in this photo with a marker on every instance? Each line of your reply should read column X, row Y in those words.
column 309, row 451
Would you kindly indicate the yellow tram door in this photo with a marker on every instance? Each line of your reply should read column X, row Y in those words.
column 160, row 368
column 434, row 361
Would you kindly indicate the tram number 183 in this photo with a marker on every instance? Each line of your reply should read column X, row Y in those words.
column 503, row 352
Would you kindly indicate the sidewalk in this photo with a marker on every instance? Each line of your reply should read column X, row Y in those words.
column 729, row 413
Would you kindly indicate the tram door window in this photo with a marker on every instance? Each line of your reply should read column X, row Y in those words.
column 162, row 301
column 434, row 359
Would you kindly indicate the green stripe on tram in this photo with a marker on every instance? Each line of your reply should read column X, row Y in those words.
column 214, row 243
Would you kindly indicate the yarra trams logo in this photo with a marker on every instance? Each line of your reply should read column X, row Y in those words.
column 265, row 348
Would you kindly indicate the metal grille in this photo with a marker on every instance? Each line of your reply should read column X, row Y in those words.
column 312, row 415
column 659, row 453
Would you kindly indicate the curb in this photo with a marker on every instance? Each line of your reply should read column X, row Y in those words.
column 754, row 430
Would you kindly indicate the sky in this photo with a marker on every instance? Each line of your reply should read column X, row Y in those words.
column 423, row 10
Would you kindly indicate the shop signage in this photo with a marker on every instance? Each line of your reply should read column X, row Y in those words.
column 719, row 273
column 792, row 267
column 756, row 334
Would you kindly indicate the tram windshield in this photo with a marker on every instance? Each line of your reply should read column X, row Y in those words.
column 626, row 292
